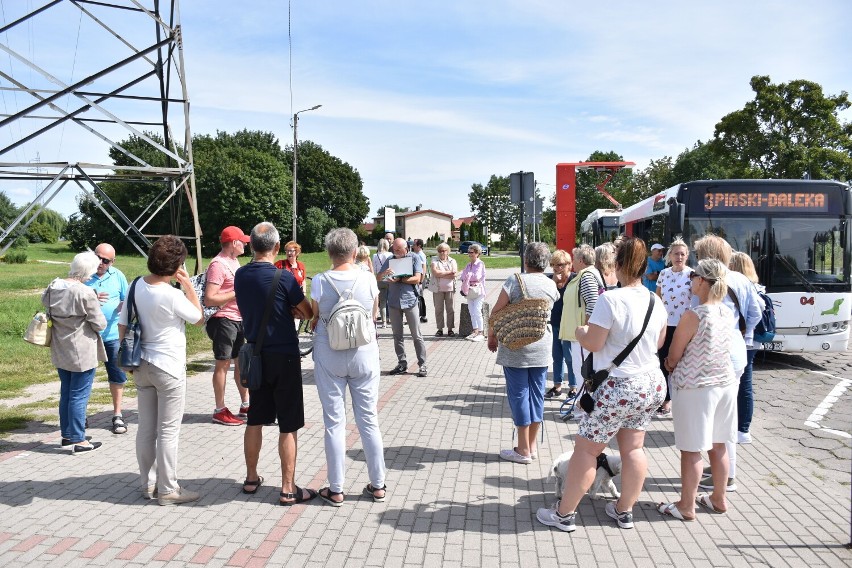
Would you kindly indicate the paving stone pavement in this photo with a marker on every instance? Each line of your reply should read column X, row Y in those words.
column 452, row 501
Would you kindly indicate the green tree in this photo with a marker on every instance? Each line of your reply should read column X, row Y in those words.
column 8, row 212
column 313, row 228
column 381, row 210
column 700, row 162
column 330, row 184
column 787, row 131
column 493, row 206
column 656, row 177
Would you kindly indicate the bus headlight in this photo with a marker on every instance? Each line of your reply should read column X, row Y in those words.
column 815, row 329
column 829, row 327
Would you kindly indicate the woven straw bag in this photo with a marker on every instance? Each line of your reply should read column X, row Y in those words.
column 522, row 323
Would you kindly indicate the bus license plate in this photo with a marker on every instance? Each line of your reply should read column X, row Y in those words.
column 773, row 346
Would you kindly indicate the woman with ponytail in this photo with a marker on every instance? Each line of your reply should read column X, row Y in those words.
column 703, row 390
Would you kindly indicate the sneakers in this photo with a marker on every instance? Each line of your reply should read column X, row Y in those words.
column 422, row 372
column 553, row 393
column 478, row 337
column 243, row 413
column 150, row 492
column 178, row 497
column 707, row 483
column 513, row 456
column 473, row 336
column 424, row 320
column 399, row 369
column 225, row 418
column 624, row 519
column 663, row 413
column 552, row 518
column 85, row 447
column 118, row 425
column 743, row 438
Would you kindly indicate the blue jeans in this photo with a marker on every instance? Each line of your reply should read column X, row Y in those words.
column 745, row 396
column 561, row 355
column 74, row 390
column 114, row 372
column 525, row 392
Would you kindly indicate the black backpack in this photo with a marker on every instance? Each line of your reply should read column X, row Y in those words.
column 764, row 331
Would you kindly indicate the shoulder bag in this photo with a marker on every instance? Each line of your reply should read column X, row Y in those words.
column 130, row 349
column 39, row 330
column 249, row 360
column 593, row 379
column 521, row 323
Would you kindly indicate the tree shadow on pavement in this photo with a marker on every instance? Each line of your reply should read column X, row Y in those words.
column 102, row 488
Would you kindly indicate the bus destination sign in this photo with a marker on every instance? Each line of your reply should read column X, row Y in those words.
column 816, row 202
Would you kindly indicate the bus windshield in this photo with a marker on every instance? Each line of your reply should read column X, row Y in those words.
column 798, row 253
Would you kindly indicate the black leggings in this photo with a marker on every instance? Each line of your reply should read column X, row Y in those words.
column 663, row 353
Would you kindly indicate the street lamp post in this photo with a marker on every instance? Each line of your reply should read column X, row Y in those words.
column 296, row 160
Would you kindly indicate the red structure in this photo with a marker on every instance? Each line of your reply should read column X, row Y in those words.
column 566, row 196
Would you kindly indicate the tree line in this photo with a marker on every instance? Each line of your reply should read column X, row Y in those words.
column 241, row 179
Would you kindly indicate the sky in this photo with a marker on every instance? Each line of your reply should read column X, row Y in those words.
column 425, row 99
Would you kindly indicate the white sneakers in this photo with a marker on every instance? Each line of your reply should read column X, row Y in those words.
column 743, row 438
column 475, row 336
column 513, row 456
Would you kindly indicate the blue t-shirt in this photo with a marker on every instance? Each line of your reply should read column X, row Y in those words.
column 251, row 285
column 653, row 266
column 401, row 295
column 113, row 283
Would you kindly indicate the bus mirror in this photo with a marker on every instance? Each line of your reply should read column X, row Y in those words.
column 677, row 213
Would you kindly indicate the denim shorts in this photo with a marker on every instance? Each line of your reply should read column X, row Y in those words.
column 525, row 392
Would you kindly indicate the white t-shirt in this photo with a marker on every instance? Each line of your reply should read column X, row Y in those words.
column 163, row 312
column 622, row 311
column 676, row 291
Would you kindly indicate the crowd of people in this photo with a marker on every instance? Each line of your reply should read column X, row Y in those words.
column 670, row 340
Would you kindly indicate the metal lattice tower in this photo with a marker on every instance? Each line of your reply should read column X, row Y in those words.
column 119, row 73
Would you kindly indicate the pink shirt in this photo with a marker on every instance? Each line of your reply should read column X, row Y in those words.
column 221, row 271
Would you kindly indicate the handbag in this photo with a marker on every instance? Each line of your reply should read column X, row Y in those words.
column 39, row 331
column 130, row 349
column 249, row 358
column 593, row 379
column 474, row 291
column 521, row 323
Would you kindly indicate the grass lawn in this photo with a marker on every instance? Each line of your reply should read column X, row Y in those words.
column 21, row 286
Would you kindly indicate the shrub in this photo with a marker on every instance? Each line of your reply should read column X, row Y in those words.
column 16, row 257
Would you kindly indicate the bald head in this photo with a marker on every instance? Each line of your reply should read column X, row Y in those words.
column 104, row 251
column 399, row 248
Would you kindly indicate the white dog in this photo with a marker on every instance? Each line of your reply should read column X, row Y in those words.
column 608, row 467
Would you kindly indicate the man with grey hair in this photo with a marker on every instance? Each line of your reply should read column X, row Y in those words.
column 280, row 394
column 402, row 299
column 111, row 286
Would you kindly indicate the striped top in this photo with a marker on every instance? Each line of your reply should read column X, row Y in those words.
column 706, row 360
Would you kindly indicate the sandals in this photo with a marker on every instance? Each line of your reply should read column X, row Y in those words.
column 671, row 510
column 118, row 425
column 704, row 501
column 296, row 497
column 326, row 495
column 371, row 491
column 256, row 484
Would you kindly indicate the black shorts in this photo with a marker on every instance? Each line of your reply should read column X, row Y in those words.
column 280, row 396
column 227, row 337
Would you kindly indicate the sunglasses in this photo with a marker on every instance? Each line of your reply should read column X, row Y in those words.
column 106, row 260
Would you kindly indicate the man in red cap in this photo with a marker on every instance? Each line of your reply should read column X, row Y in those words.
column 225, row 327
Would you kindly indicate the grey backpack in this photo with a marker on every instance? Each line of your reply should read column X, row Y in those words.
column 348, row 324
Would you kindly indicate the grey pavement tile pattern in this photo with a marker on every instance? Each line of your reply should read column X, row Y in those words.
column 452, row 501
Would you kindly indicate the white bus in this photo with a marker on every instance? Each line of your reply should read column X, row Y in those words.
column 601, row 226
column 796, row 232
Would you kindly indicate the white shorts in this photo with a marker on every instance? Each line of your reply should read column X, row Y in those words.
column 704, row 416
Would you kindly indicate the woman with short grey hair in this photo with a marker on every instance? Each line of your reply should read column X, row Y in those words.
column 605, row 263
column 537, row 256
column 444, row 270
column 473, row 278
column 76, row 346
column 356, row 369
column 526, row 368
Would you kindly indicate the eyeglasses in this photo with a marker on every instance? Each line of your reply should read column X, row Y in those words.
column 560, row 265
column 288, row 251
column 106, row 260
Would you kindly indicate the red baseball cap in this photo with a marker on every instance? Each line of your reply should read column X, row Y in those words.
column 233, row 234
